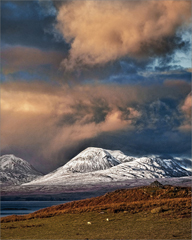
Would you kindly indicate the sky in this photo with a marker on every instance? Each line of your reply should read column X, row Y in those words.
column 113, row 74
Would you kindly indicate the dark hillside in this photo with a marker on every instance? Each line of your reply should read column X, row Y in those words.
column 168, row 200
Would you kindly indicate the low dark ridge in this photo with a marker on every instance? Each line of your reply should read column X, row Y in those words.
column 174, row 201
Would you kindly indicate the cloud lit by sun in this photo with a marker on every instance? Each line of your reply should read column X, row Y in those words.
column 113, row 74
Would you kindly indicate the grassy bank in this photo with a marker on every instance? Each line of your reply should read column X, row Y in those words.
column 120, row 226
column 141, row 213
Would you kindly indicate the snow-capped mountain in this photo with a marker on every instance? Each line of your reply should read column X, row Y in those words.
column 90, row 160
column 15, row 171
column 96, row 165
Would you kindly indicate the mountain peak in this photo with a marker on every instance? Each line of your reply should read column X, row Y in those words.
column 91, row 159
column 10, row 156
column 16, row 171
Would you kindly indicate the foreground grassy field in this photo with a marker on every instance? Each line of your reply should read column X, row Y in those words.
column 141, row 213
column 120, row 226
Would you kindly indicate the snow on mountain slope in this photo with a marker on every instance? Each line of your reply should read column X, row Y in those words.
column 149, row 167
column 184, row 163
column 120, row 156
column 15, row 171
column 90, row 160
column 79, row 170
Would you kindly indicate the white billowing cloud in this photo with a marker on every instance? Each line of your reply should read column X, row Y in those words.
column 103, row 31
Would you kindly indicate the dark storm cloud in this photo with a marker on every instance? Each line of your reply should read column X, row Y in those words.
column 29, row 63
column 64, row 119
column 160, row 115
column 95, row 110
column 126, row 92
column 132, row 71
column 19, row 57
column 146, row 142
column 164, row 47
column 24, row 23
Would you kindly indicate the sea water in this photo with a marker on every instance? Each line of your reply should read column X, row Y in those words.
column 25, row 207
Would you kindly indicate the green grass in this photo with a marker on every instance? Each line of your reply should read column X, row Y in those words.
column 121, row 225
column 129, row 212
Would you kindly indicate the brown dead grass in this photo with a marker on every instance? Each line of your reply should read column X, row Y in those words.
column 175, row 202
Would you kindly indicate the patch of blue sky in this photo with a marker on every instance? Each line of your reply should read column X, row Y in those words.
column 47, row 8
column 184, row 59
column 26, row 76
column 131, row 79
column 161, row 76
column 181, row 58
column 2, row 77
column 144, row 78
column 17, row 10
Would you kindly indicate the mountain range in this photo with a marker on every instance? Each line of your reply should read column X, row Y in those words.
column 94, row 166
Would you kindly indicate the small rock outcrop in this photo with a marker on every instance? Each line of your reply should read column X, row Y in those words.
column 157, row 210
column 156, row 184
